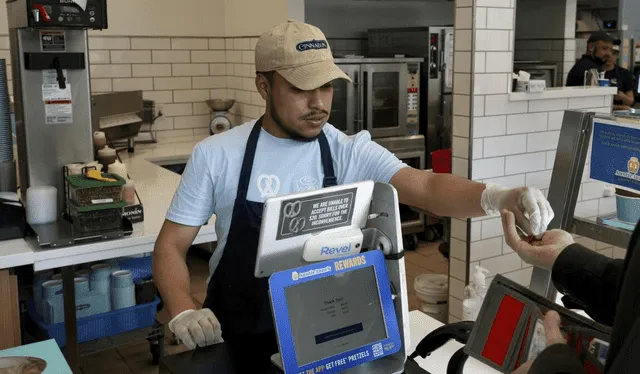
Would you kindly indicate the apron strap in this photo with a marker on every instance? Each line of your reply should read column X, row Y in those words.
column 247, row 162
column 330, row 179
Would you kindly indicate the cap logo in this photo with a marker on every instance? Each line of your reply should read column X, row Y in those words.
column 310, row 45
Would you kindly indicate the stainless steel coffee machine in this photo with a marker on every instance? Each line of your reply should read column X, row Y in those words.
column 52, row 94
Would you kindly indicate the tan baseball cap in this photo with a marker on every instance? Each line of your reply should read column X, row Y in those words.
column 300, row 53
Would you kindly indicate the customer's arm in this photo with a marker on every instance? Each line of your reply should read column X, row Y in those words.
column 589, row 278
column 585, row 275
column 170, row 272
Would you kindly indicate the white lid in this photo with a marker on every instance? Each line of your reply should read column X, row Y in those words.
column 99, row 135
column 479, row 277
column 432, row 283
column 106, row 151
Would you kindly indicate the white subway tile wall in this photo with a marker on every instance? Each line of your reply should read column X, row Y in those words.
column 179, row 74
column 513, row 143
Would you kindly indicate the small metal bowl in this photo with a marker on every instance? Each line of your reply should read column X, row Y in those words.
column 220, row 105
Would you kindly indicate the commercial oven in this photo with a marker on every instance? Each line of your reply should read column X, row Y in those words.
column 434, row 44
column 383, row 97
column 411, row 150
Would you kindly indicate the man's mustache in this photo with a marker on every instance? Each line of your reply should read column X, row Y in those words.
column 322, row 113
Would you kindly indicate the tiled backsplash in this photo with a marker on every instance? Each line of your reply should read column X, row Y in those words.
column 179, row 74
column 512, row 143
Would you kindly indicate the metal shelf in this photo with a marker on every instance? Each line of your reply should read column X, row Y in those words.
column 601, row 232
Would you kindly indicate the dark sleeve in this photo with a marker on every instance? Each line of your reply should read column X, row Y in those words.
column 576, row 76
column 589, row 278
column 627, row 82
column 557, row 359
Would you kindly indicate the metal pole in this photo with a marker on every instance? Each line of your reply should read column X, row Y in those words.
column 71, row 328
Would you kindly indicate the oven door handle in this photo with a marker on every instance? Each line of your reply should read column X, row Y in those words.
column 357, row 121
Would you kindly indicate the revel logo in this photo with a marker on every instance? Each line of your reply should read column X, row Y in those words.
column 329, row 251
column 311, row 44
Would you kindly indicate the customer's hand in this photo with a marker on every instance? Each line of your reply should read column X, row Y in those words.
column 532, row 211
column 196, row 328
column 553, row 336
column 552, row 329
column 543, row 252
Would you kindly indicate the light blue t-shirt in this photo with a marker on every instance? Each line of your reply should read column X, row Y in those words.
column 281, row 166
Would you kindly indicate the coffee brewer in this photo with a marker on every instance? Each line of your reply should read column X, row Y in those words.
column 52, row 93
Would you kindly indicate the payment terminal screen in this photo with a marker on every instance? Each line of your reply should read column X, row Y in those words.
column 335, row 314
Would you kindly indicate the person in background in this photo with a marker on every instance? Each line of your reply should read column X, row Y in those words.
column 609, row 288
column 621, row 78
column 291, row 148
column 599, row 50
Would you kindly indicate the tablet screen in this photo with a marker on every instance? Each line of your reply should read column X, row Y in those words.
column 335, row 314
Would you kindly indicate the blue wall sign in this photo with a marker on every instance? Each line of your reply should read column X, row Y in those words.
column 615, row 154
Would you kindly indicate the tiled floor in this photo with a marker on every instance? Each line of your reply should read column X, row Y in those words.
column 135, row 358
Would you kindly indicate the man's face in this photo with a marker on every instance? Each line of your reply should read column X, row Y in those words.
column 601, row 49
column 301, row 114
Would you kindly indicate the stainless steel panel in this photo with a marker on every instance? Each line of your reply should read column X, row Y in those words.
column 596, row 230
column 385, row 99
column 402, row 143
column 565, row 184
column 44, row 149
column 376, row 60
column 345, row 110
column 408, row 148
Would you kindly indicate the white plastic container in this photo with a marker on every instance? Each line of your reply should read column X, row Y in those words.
column 474, row 295
column 433, row 292
column 42, row 205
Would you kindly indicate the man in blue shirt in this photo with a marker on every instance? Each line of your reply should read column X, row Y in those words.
column 291, row 148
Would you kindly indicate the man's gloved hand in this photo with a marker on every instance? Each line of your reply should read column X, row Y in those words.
column 531, row 209
column 197, row 328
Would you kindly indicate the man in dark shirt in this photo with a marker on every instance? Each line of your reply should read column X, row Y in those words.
column 599, row 50
column 621, row 78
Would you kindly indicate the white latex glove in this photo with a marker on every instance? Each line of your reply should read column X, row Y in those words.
column 197, row 327
column 531, row 209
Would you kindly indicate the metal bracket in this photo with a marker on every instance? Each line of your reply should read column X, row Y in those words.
column 573, row 146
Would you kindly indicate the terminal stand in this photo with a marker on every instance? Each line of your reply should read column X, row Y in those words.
column 573, row 149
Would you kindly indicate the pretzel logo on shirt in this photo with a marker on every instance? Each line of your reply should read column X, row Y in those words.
column 268, row 185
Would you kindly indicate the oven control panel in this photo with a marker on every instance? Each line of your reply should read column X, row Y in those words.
column 67, row 14
column 413, row 98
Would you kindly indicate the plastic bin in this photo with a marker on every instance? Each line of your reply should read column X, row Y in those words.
column 140, row 267
column 100, row 325
column 84, row 191
column 441, row 161
column 97, row 217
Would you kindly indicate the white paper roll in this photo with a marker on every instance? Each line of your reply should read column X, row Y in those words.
column 42, row 205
